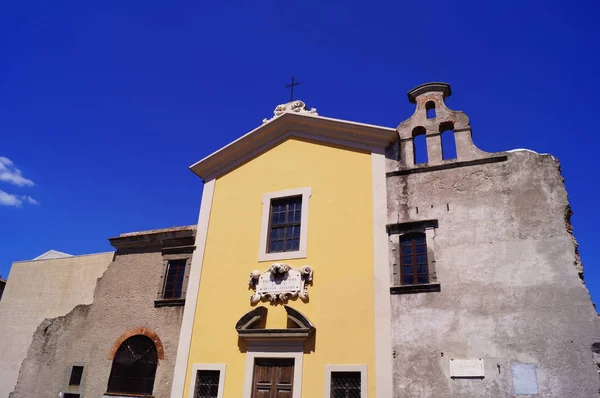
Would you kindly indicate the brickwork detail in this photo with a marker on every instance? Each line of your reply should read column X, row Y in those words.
column 133, row 332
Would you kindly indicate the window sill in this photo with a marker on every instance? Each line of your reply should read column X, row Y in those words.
column 169, row 302
column 409, row 289
column 282, row 256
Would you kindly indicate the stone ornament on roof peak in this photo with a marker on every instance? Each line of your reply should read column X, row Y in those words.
column 296, row 106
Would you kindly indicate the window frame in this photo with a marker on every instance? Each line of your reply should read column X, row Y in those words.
column 263, row 253
column 414, row 264
column 166, row 278
column 395, row 232
column 175, row 255
column 287, row 226
column 221, row 367
column 362, row 369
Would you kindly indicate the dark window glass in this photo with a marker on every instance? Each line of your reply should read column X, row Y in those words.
column 134, row 367
column 345, row 384
column 284, row 225
column 174, row 279
column 413, row 259
column 76, row 373
column 70, row 395
column 207, row 384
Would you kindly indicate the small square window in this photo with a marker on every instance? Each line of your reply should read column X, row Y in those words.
column 76, row 373
column 207, row 384
column 346, row 385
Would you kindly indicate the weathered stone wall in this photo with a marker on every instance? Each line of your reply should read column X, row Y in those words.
column 123, row 304
column 37, row 290
column 510, row 290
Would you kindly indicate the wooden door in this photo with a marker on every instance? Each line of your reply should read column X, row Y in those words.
column 273, row 378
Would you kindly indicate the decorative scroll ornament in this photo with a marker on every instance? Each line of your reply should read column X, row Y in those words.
column 280, row 282
column 292, row 106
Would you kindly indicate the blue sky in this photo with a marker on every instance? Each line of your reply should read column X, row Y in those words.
column 104, row 105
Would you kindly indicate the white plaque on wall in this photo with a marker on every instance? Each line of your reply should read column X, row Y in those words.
column 465, row 368
column 524, row 378
column 280, row 282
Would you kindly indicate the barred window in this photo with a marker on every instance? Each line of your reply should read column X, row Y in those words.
column 207, row 384
column 134, row 367
column 413, row 259
column 174, row 279
column 345, row 385
column 284, row 225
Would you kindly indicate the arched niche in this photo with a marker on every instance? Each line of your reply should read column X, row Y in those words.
column 251, row 326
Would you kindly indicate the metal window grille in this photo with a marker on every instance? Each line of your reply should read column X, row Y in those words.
column 345, row 385
column 134, row 367
column 413, row 259
column 207, row 384
column 76, row 373
column 284, row 225
column 174, row 279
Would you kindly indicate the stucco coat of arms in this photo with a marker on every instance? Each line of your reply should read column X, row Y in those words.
column 280, row 282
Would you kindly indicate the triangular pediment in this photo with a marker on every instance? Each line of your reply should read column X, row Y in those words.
column 289, row 125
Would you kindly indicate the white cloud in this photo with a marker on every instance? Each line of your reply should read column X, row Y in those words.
column 30, row 200
column 7, row 199
column 9, row 173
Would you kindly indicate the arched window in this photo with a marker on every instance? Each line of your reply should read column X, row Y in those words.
column 448, row 141
column 134, row 367
column 413, row 259
column 419, row 145
column 430, row 108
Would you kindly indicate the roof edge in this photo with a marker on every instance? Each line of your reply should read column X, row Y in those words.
column 336, row 131
column 62, row 258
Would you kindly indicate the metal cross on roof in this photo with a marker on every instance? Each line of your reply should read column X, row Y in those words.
column 291, row 87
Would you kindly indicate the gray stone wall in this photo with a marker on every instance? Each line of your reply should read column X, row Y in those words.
column 509, row 273
column 36, row 290
column 124, row 303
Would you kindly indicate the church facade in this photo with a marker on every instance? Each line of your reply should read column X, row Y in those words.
column 331, row 263
column 330, row 259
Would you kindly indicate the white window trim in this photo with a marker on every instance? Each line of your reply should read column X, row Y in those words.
column 346, row 368
column 249, row 372
column 263, row 255
column 208, row 366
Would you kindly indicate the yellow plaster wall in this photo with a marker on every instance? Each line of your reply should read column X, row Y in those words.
column 339, row 249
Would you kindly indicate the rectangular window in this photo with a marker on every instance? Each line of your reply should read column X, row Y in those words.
column 70, row 395
column 76, row 373
column 346, row 385
column 174, row 279
column 413, row 259
column 207, row 384
column 284, row 225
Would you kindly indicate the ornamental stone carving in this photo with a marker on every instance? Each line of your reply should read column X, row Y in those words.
column 280, row 283
column 292, row 106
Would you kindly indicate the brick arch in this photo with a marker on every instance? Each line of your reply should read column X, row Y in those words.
column 143, row 331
